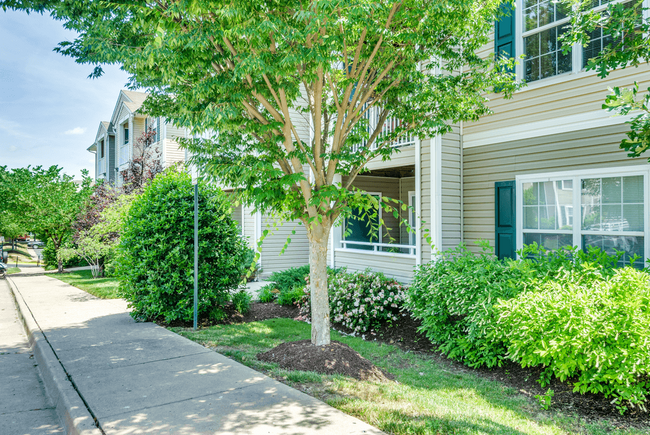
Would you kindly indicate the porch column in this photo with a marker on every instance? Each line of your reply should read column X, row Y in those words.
column 436, row 194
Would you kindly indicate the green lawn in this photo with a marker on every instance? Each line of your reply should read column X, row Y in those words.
column 13, row 270
column 428, row 397
column 105, row 288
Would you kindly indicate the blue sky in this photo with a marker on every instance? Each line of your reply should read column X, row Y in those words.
column 49, row 109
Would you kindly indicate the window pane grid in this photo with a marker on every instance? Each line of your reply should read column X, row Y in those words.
column 544, row 56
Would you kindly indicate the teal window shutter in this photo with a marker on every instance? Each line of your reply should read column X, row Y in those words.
column 504, row 32
column 505, row 233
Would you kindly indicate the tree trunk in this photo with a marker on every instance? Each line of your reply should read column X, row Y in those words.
column 320, row 307
column 60, row 266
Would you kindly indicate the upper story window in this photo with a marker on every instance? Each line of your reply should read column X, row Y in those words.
column 543, row 24
column 125, row 129
column 101, row 149
column 534, row 31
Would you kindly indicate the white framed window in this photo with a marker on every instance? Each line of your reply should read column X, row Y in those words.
column 362, row 228
column 607, row 208
column 125, row 130
column 539, row 24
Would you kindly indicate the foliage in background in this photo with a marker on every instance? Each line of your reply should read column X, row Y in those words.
column 627, row 44
column 99, row 228
column 156, row 255
column 255, row 73
column 145, row 163
column 589, row 327
column 44, row 201
column 268, row 293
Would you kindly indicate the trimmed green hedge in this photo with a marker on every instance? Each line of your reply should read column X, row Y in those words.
column 572, row 312
column 155, row 263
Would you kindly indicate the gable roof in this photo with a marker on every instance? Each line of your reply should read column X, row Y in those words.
column 132, row 100
column 136, row 100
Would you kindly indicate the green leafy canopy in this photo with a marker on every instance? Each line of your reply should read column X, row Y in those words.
column 256, row 71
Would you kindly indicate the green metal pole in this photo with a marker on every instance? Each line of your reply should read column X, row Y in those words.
column 196, row 253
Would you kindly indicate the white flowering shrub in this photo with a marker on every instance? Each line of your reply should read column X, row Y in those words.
column 363, row 300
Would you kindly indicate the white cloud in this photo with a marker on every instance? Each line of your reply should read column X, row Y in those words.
column 76, row 130
column 13, row 148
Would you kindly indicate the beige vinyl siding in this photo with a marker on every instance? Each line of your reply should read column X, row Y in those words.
column 123, row 115
column 248, row 227
column 173, row 132
column 397, row 266
column 402, row 156
column 296, row 254
column 138, row 129
column 425, row 190
column 484, row 165
column 173, row 154
column 451, row 189
column 388, row 187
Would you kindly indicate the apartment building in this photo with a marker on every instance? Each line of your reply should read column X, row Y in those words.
column 546, row 167
column 116, row 140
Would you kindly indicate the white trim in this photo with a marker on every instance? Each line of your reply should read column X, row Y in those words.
column 258, row 234
column 377, row 253
column 576, row 176
column 547, row 127
column 412, row 194
column 418, row 202
column 436, row 193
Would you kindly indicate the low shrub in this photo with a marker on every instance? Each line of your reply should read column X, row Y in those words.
column 364, row 300
column 291, row 297
column 242, row 301
column 594, row 331
column 268, row 293
column 454, row 298
column 286, row 280
column 360, row 301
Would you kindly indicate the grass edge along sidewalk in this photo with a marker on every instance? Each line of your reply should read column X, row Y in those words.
column 428, row 398
column 103, row 288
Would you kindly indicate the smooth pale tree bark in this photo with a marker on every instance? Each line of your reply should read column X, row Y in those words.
column 320, row 309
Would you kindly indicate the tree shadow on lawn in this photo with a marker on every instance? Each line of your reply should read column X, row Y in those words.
column 434, row 396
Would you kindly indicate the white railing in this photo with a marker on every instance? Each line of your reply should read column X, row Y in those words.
column 101, row 166
column 390, row 125
column 124, row 154
column 388, row 248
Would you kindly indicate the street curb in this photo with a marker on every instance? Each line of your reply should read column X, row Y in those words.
column 70, row 407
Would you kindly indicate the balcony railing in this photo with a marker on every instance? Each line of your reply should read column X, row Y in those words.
column 124, row 153
column 390, row 125
column 374, row 247
column 101, row 166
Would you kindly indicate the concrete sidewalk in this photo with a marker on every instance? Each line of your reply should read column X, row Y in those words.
column 140, row 378
column 24, row 407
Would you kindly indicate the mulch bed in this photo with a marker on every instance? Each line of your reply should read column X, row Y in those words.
column 335, row 358
column 403, row 333
column 592, row 407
